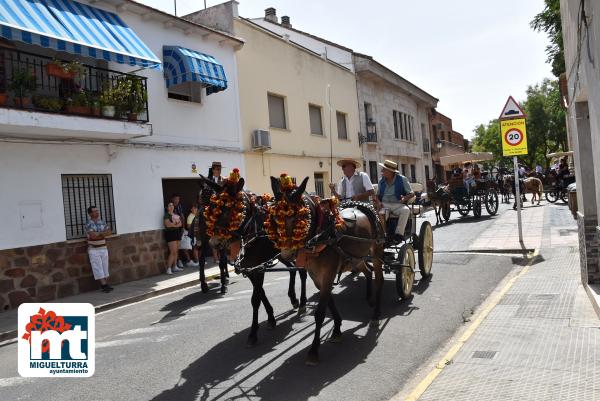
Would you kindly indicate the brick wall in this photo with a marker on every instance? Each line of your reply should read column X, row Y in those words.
column 46, row 272
column 588, row 249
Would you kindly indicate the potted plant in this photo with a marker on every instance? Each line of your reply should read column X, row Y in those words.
column 94, row 103
column 136, row 98
column 47, row 103
column 64, row 70
column 22, row 84
column 78, row 103
column 107, row 102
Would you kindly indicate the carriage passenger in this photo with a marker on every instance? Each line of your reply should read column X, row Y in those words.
column 354, row 185
column 393, row 193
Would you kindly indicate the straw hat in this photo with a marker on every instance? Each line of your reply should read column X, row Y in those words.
column 341, row 162
column 216, row 164
column 390, row 165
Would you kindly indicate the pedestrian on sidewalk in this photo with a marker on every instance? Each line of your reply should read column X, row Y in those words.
column 173, row 229
column 190, row 237
column 97, row 231
column 183, row 256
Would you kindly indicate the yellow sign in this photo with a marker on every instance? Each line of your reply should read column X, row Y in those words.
column 514, row 137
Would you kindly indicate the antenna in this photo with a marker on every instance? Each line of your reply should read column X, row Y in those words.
column 175, row 6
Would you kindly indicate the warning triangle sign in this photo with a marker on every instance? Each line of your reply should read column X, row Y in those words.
column 511, row 110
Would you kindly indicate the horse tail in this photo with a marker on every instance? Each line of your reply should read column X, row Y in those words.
column 540, row 185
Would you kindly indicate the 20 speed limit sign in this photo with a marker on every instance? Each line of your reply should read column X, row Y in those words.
column 514, row 137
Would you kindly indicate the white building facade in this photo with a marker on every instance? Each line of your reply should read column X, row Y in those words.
column 55, row 163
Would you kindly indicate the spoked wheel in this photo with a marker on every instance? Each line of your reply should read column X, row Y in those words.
column 563, row 196
column 491, row 202
column 425, row 249
column 463, row 207
column 551, row 196
column 477, row 208
column 405, row 275
column 271, row 263
column 446, row 211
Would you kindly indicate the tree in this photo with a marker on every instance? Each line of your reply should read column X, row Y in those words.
column 487, row 139
column 549, row 21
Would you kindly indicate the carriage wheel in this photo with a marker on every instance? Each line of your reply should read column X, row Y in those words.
column 446, row 211
column 425, row 249
column 405, row 276
column 563, row 196
column 463, row 207
column 551, row 196
column 271, row 263
column 491, row 202
column 477, row 208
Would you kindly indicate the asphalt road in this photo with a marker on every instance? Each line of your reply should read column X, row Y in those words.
column 190, row 346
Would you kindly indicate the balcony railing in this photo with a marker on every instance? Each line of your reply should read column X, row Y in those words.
column 370, row 137
column 38, row 83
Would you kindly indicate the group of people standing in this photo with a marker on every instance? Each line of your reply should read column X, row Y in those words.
column 186, row 236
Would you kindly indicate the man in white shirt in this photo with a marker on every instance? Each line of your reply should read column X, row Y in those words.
column 354, row 185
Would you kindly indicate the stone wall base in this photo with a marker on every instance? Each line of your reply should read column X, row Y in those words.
column 588, row 248
column 46, row 272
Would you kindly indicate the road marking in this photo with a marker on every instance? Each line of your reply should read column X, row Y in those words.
column 228, row 299
column 141, row 330
column 14, row 381
column 242, row 292
column 447, row 359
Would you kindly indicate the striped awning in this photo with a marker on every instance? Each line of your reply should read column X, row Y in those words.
column 184, row 65
column 76, row 28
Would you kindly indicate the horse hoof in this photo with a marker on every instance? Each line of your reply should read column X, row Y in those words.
column 336, row 338
column 312, row 360
column 251, row 342
column 295, row 304
column 301, row 310
column 271, row 324
column 374, row 323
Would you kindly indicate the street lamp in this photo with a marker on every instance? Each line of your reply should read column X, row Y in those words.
column 438, row 145
column 371, row 131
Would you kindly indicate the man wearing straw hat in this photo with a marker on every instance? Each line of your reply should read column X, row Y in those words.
column 392, row 193
column 354, row 185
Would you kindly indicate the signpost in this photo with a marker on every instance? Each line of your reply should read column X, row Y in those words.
column 514, row 143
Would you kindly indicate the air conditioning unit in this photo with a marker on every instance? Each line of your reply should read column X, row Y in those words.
column 261, row 140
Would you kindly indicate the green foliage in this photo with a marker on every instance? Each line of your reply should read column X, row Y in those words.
column 48, row 103
column 549, row 21
column 546, row 127
column 23, row 82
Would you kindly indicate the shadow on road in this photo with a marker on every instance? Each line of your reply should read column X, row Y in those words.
column 229, row 367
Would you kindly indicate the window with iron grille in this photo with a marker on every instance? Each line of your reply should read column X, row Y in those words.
column 81, row 192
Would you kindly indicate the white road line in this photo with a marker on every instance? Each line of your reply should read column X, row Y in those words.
column 242, row 292
column 14, row 381
column 141, row 330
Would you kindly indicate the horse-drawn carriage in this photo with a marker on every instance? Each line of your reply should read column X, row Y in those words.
column 554, row 187
column 399, row 256
column 483, row 194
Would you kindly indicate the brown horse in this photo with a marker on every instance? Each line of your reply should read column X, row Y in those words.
column 333, row 251
column 531, row 185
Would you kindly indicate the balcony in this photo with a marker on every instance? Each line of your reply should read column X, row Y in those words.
column 40, row 96
column 371, row 136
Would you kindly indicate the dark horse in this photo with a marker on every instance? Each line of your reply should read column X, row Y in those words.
column 332, row 251
column 251, row 233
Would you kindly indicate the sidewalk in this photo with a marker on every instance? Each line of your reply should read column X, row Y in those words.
column 537, row 340
column 123, row 294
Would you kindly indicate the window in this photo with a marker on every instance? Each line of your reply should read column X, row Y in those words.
column 316, row 123
column 413, row 173
column 404, row 169
column 368, row 114
column 276, row 111
column 341, row 125
column 395, row 117
column 319, row 185
column 81, row 192
column 405, row 122
column 373, row 171
column 427, row 172
column 187, row 91
column 411, row 130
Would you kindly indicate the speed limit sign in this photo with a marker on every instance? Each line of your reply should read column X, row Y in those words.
column 514, row 137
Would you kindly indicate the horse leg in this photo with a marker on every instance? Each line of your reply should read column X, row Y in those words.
column 257, row 279
column 224, row 271
column 271, row 322
column 336, row 336
column 303, row 276
column 201, row 264
column 313, row 353
column 369, row 276
column 292, row 290
column 378, row 291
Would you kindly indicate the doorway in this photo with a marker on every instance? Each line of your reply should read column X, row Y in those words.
column 186, row 188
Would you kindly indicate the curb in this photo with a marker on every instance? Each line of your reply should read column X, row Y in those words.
column 594, row 298
column 12, row 334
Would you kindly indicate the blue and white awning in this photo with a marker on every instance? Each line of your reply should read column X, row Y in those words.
column 184, row 65
column 73, row 27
